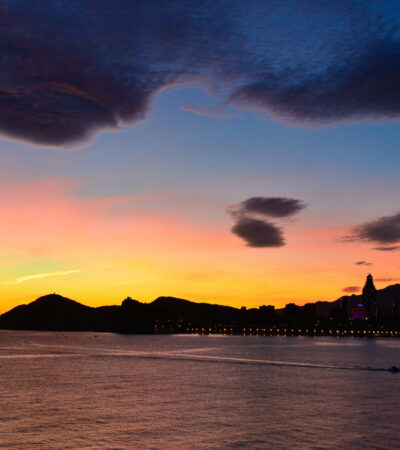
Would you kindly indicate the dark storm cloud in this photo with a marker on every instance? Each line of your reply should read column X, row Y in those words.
column 70, row 68
column 258, row 233
column 268, row 206
column 366, row 87
column 351, row 289
column 384, row 230
column 363, row 263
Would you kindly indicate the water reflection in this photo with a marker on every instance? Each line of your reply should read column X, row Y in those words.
column 91, row 391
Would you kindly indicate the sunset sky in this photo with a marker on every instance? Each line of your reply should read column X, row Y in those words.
column 229, row 152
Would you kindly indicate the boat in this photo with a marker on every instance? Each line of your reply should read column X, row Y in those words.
column 394, row 368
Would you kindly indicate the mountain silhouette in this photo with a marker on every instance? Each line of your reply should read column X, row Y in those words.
column 50, row 312
column 170, row 314
column 55, row 313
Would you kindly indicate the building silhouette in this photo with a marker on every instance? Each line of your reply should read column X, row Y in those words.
column 369, row 298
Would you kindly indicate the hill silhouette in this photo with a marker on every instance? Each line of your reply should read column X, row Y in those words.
column 170, row 314
column 55, row 313
column 50, row 312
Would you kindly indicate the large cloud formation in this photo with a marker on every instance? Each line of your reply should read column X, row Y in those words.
column 383, row 231
column 260, row 232
column 70, row 68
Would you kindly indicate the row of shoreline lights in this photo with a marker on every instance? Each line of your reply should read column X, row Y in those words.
column 278, row 331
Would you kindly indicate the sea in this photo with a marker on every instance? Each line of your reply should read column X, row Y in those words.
column 62, row 390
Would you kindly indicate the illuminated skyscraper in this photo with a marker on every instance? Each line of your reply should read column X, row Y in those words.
column 369, row 298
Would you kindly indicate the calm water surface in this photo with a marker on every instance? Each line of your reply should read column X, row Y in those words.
column 87, row 390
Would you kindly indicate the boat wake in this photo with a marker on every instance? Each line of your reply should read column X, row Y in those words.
column 189, row 355
column 180, row 356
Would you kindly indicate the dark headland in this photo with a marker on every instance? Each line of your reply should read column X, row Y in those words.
column 173, row 315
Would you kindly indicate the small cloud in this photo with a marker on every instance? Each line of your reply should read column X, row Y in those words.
column 215, row 112
column 392, row 248
column 363, row 263
column 268, row 206
column 351, row 289
column 42, row 275
column 258, row 233
column 384, row 230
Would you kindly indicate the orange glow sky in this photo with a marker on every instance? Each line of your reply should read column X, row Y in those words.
column 56, row 236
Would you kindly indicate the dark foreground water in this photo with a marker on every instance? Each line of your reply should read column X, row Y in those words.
column 87, row 390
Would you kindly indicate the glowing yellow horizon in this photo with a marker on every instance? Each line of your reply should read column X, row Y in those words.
column 98, row 251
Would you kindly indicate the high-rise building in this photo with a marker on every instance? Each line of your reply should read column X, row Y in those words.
column 369, row 298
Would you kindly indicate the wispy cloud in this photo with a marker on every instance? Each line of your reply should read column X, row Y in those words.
column 42, row 275
column 391, row 248
column 351, row 289
column 215, row 112
column 386, row 280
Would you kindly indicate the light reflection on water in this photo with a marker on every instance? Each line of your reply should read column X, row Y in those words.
column 87, row 390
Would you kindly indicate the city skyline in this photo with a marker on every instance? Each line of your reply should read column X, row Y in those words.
column 205, row 158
